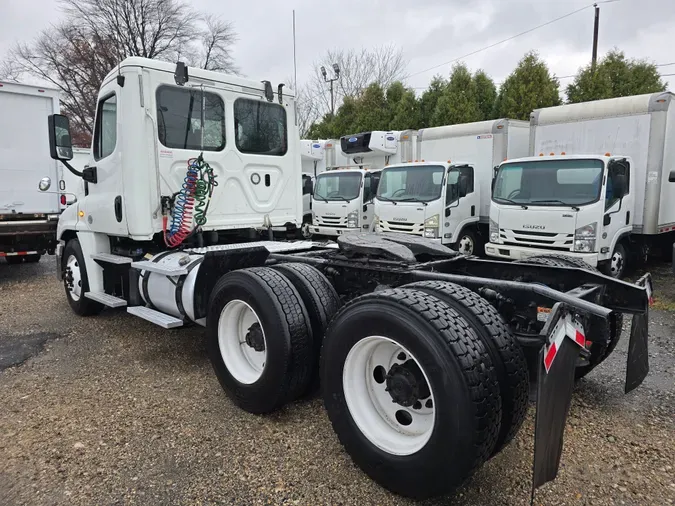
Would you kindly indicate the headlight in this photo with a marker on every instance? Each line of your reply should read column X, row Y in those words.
column 376, row 223
column 353, row 219
column 494, row 231
column 431, row 227
column 584, row 238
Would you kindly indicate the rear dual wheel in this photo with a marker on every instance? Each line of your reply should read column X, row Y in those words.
column 264, row 329
column 411, row 391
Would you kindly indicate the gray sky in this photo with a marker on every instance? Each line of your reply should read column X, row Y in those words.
column 430, row 32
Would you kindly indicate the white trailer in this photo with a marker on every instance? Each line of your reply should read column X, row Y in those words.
column 565, row 200
column 344, row 195
column 457, row 217
column 28, row 218
column 417, row 366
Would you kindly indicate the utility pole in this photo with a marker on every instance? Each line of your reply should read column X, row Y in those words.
column 594, row 58
column 336, row 70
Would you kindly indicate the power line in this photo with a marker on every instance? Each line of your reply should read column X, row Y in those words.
column 485, row 48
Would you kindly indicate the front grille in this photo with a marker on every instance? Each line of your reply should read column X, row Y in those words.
column 331, row 221
column 532, row 239
column 406, row 228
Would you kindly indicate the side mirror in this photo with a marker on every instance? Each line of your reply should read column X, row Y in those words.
column 45, row 184
column 463, row 186
column 60, row 145
column 619, row 186
column 89, row 175
column 671, row 176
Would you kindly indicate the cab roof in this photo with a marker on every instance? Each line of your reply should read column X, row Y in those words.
column 207, row 75
column 545, row 157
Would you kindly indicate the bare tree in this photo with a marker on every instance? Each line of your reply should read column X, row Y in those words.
column 9, row 71
column 358, row 68
column 96, row 34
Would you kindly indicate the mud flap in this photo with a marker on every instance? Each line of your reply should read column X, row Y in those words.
column 555, row 382
column 637, row 367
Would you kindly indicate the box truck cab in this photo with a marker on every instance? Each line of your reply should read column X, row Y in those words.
column 435, row 200
column 343, row 198
column 638, row 136
column 579, row 205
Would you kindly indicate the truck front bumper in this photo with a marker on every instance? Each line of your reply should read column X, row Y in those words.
column 522, row 253
column 332, row 231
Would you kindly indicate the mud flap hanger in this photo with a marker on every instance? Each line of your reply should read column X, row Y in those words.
column 565, row 338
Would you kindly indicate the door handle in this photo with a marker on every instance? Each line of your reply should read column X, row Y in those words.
column 118, row 208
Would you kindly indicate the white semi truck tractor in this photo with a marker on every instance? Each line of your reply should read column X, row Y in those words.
column 421, row 353
column 597, row 187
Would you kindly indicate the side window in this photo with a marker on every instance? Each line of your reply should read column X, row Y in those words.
column 105, row 136
column 260, row 127
column 179, row 118
column 307, row 185
column 466, row 173
column 610, row 199
column 367, row 188
column 374, row 183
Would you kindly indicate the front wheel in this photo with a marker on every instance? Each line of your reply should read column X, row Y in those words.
column 76, row 282
column 467, row 244
column 616, row 266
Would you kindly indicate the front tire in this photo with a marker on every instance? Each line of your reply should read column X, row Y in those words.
column 616, row 266
column 412, row 393
column 76, row 282
column 259, row 339
column 467, row 244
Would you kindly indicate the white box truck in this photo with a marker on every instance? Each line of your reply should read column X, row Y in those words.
column 28, row 217
column 596, row 185
column 343, row 195
column 414, row 199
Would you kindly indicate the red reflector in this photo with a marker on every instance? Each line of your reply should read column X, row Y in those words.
column 41, row 91
column 63, row 200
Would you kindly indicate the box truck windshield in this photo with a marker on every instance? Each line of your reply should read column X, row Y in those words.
column 340, row 186
column 549, row 182
column 411, row 183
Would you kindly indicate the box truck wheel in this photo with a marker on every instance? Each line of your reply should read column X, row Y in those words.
column 611, row 333
column 76, row 282
column 506, row 354
column 321, row 301
column 616, row 265
column 467, row 243
column 259, row 339
column 14, row 259
column 411, row 392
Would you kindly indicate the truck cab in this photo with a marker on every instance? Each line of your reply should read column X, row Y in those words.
column 577, row 205
column 436, row 200
column 343, row 200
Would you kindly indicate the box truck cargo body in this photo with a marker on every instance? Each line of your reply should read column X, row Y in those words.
column 633, row 140
column 458, row 215
column 28, row 218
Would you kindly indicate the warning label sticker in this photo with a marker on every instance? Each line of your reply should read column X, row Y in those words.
column 543, row 313
column 484, row 136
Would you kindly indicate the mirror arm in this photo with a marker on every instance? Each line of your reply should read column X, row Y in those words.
column 71, row 168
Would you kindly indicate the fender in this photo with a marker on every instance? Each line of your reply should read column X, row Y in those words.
column 471, row 222
column 617, row 238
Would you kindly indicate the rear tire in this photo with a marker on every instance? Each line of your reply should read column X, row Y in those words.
column 76, row 282
column 14, row 259
column 33, row 259
column 506, row 354
column 601, row 350
column 321, row 301
column 404, row 341
column 259, row 339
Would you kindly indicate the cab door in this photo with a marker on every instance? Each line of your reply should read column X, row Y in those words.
column 103, row 205
column 461, row 202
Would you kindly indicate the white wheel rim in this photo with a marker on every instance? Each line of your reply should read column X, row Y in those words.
column 617, row 264
column 306, row 231
column 244, row 363
column 372, row 407
column 466, row 245
column 73, row 274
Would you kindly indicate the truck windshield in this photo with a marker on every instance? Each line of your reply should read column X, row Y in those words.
column 338, row 186
column 549, row 182
column 413, row 183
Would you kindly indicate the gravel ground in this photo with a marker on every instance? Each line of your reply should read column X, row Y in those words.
column 113, row 410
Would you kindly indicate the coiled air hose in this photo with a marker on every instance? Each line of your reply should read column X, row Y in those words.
column 191, row 203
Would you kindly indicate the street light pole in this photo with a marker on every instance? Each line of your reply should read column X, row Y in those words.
column 596, row 27
column 336, row 70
